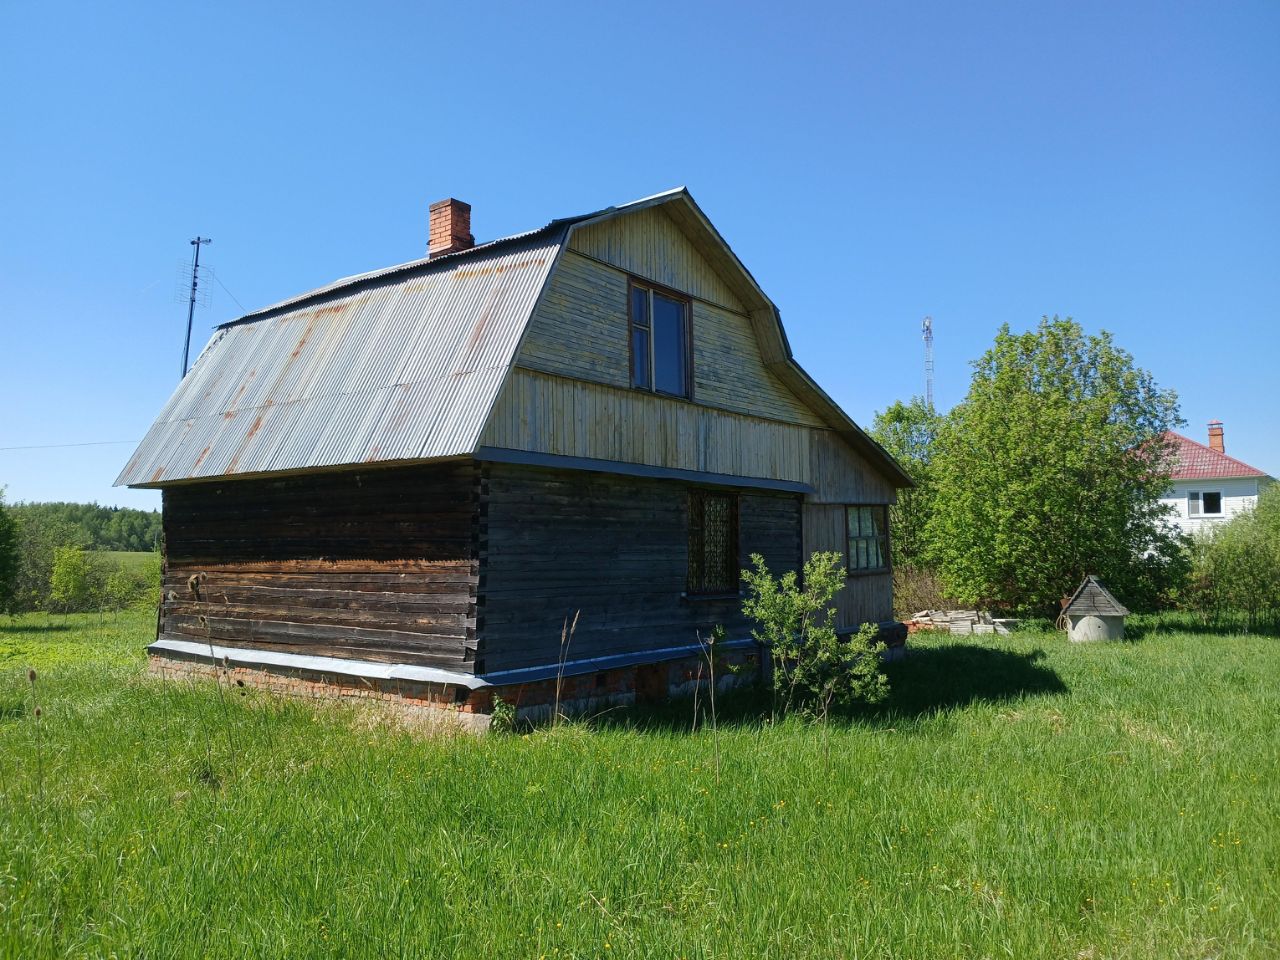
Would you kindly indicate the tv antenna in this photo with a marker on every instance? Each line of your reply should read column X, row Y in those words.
column 197, row 243
column 927, row 327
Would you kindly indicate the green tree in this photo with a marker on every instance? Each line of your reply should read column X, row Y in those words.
column 1051, row 468
column 908, row 431
column 39, row 536
column 10, row 558
column 71, row 584
column 1267, row 510
column 120, row 588
column 99, row 528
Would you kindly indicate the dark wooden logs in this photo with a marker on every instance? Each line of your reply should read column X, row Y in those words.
column 616, row 548
column 377, row 565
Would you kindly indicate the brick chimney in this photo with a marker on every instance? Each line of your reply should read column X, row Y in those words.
column 1215, row 437
column 450, row 227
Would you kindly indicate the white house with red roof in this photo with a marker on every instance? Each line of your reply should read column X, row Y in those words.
column 1208, row 486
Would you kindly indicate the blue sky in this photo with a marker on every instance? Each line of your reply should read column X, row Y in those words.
column 871, row 163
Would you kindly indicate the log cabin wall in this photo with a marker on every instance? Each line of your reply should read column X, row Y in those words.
column 613, row 547
column 370, row 565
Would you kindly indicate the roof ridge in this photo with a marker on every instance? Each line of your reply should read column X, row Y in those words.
column 379, row 273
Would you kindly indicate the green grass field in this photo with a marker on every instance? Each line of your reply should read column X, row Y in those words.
column 1021, row 799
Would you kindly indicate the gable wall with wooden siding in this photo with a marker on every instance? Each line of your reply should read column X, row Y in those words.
column 839, row 474
column 615, row 548
column 549, row 414
column 371, row 565
column 580, row 329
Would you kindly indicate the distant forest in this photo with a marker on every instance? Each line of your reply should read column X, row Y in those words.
column 93, row 527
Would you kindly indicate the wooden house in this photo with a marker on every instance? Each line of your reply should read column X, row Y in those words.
column 400, row 485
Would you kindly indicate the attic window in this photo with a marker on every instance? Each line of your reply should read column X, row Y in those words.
column 660, row 342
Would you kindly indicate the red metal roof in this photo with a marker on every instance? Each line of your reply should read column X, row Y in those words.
column 1195, row 461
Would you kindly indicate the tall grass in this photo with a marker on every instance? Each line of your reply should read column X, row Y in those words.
column 1025, row 798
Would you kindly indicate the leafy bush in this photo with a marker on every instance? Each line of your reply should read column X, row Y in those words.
column 813, row 667
column 39, row 537
column 148, row 581
column 1236, row 566
column 502, row 719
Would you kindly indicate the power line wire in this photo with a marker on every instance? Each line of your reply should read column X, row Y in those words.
column 55, row 446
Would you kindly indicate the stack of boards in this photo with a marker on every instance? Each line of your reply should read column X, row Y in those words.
column 963, row 622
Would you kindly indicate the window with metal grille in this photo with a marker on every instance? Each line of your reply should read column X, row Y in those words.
column 713, row 543
column 868, row 538
column 660, row 341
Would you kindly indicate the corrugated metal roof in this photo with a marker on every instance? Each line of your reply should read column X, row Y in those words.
column 402, row 364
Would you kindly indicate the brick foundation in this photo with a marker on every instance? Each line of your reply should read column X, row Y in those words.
column 419, row 703
column 453, row 705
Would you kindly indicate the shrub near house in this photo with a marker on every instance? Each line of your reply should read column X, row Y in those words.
column 1237, row 566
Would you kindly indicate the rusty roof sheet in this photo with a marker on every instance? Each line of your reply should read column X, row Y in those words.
column 402, row 364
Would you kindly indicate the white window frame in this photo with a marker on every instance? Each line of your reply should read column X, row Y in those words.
column 1195, row 503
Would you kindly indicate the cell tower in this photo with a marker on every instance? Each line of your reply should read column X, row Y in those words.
column 197, row 243
column 927, row 327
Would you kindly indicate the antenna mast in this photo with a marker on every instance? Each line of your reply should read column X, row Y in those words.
column 927, row 327
column 197, row 243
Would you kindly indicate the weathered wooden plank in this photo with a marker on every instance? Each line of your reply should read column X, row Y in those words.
column 392, row 616
column 281, row 631
column 839, row 474
column 544, row 413
column 319, row 597
column 340, row 584
column 649, row 244
column 862, row 599
column 424, row 570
